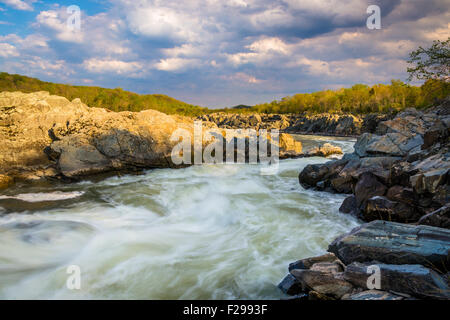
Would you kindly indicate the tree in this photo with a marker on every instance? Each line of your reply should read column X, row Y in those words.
column 431, row 63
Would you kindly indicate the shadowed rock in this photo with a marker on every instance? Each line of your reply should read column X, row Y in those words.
column 395, row 243
column 415, row 280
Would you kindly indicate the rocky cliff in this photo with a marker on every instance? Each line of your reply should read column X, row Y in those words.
column 49, row 137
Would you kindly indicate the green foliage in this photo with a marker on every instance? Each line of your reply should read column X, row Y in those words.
column 113, row 99
column 359, row 99
column 431, row 63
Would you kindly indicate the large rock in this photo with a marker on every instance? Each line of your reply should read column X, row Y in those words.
column 325, row 150
column 367, row 187
column 439, row 218
column 395, row 243
column 290, row 285
column 325, row 283
column 80, row 140
column 47, row 136
column 381, row 208
column 414, row 280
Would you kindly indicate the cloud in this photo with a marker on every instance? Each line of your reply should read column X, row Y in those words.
column 19, row 4
column 56, row 21
column 176, row 64
column 8, row 50
column 111, row 66
column 222, row 52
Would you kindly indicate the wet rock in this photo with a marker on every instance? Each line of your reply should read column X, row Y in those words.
column 290, row 285
column 309, row 262
column 415, row 280
column 439, row 218
column 322, row 282
column 381, row 208
column 400, row 173
column 395, row 243
column 349, row 206
column 367, row 187
column 401, row 194
column 312, row 174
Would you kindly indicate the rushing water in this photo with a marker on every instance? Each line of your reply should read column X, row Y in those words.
column 204, row 232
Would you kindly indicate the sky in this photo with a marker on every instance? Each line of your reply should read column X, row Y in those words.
column 216, row 53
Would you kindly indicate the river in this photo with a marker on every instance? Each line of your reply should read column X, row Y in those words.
column 203, row 232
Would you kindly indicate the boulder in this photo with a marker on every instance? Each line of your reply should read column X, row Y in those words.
column 349, row 206
column 312, row 174
column 79, row 140
column 414, row 280
column 381, row 208
column 290, row 285
column 395, row 243
column 325, row 150
column 401, row 194
column 367, row 187
column 323, row 282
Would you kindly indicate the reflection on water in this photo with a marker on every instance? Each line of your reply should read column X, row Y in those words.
column 204, row 232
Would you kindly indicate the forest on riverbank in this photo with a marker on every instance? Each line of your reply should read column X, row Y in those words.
column 359, row 99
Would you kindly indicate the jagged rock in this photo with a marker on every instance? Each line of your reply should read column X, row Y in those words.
column 349, row 206
column 395, row 243
column 367, row 187
column 312, row 174
column 396, row 159
column 373, row 295
column 47, row 136
column 290, row 285
column 82, row 140
column 325, row 283
column 381, row 208
column 439, row 218
column 325, row 150
column 401, row 194
column 288, row 144
column 415, row 280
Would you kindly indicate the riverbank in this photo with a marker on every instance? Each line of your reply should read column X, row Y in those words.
column 48, row 137
column 327, row 124
column 398, row 174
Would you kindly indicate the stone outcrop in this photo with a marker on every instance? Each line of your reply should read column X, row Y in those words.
column 399, row 173
column 395, row 243
column 326, row 124
column 411, row 262
column 49, row 137
column 325, row 150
